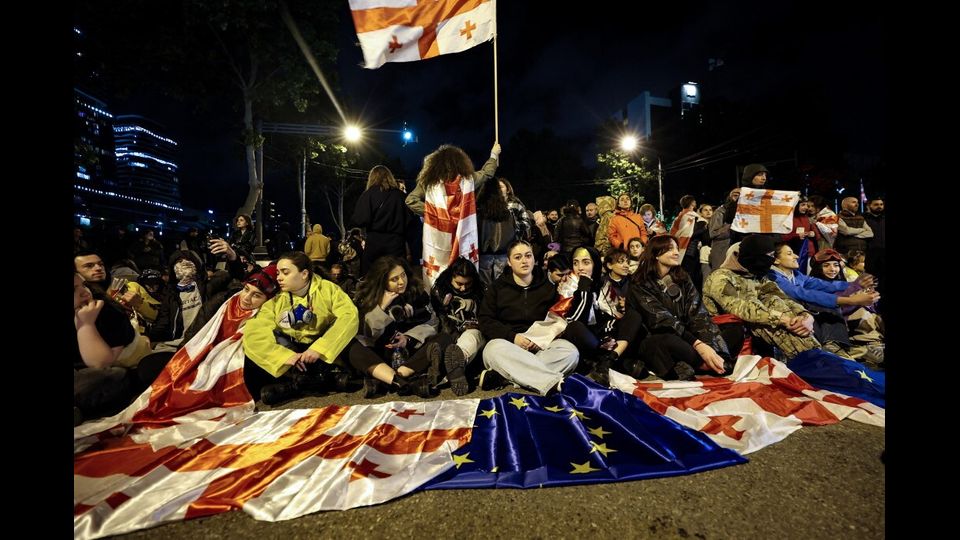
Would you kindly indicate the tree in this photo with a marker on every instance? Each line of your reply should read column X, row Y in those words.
column 336, row 178
column 628, row 175
column 203, row 51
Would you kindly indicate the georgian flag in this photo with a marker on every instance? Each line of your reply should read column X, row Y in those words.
column 449, row 227
column 765, row 211
column 761, row 403
column 411, row 30
column 682, row 228
column 829, row 223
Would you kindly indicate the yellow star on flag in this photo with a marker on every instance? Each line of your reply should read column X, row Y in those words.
column 602, row 448
column 578, row 414
column 460, row 460
column 863, row 375
column 520, row 403
column 490, row 413
column 598, row 432
column 554, row 409
column 582, row 468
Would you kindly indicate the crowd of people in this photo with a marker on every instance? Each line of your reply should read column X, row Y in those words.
column 518, row 297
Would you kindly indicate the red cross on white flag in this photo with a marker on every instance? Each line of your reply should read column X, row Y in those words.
column 411, row 30
column 765, row 211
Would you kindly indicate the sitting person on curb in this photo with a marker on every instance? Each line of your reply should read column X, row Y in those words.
column 516, row 300
column 398, row 340
column 456, row 297
column 683, row 339
column 766, row 311
column 306, row 326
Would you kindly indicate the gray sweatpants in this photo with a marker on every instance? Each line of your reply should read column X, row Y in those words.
column 541, row 371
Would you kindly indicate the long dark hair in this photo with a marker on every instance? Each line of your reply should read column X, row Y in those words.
column 381, row 177
column 657, row 246
column 491, row 206
column 370, row 291
column 444, row 163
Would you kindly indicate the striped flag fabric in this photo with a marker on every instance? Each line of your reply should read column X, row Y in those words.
column 761, row 403
column 829, row 223
column 411, row 30
column 449, row 227
column 765, row 211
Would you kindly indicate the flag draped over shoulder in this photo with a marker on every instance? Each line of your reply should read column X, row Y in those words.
column 683, row 227
column 449, row 227
column 829, row 223
column 765, row 211
column 761, row 403
column 411, row 30
column 586, row 434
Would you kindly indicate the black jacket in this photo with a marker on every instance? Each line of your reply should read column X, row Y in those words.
column 509, row 309
column 683, row 315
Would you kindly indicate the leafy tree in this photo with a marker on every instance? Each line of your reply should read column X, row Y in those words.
column 633, row 175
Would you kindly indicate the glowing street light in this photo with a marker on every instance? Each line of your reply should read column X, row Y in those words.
column 352, row 133
column 628, row 143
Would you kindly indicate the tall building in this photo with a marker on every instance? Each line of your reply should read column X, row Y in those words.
column 146, row 169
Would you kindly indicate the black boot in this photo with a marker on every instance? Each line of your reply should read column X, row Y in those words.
column 455, row 363
column 371, row 387
column 684, row 372
column 600, row 373
column 287, row 387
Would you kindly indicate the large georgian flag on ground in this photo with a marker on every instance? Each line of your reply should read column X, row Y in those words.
column 449, row 227
column 411, row 30
column 761, row 403
column 765, row 211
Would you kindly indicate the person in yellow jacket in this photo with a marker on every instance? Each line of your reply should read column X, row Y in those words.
column 318, row 245
column 305, row 326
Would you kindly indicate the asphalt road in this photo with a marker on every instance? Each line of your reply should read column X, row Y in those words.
column 820, row 482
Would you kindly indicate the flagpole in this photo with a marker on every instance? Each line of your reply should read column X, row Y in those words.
column 496, row 96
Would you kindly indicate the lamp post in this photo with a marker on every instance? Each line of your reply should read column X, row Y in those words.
column 629, row 144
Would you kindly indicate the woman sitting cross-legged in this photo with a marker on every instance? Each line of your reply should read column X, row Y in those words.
column 683, row 338
column 398, row 337
column 515, row 301
column 456, row 297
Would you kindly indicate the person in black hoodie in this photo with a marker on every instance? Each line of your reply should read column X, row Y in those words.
column 515, row 301
column 683, row 339
column 572, row 231
column 456, row 297
column 382, row 213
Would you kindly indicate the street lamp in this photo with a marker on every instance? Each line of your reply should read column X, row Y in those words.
column 628, row 143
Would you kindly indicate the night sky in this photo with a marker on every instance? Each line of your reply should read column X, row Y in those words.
column 567, row 71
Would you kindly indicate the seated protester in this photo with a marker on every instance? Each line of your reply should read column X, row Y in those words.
column 653, row 225
column 153, row 282
column 182, row 301
column 819, row 297
column 601, row 338
column 516, row 300
column 135, row 300
column 338, row 274
column 102, row 386
column 306, row 326
column 455, row 298
column 557, row 266
column 864, row 324
column 244, row 301
column 683, row 339
column 398, row 338
column 767, row 312
column 634, row 249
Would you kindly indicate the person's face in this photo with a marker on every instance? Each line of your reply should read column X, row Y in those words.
column 149, row 235
column 553, row 215
column 803, row 208
column 624, row 202
column 648, row 215
column 582, row 264
column 786, row 259
column 876, row 206
column 521, row 260
column 620, row 268
column 849, row 204
column 706, row 212
column 81, row 294
column 335, row 273
column 461, row 284
column 591, row 210
column 503, row 190
column 859, row 264
column 241, row 222
column 670, row 257
column 636, row 248
column 289, row 277
column 759, row 179
column 91, row 268
column 397, row 280
column 251, row 297
column 831, row 269
column 557, row 275
column 735, row 195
